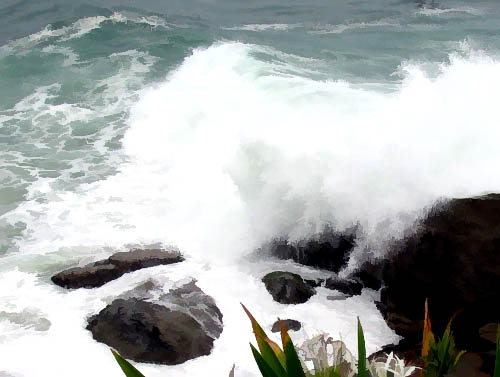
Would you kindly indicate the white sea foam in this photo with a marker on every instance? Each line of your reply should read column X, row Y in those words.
column 440, row 11
column 263, row 27
column 340, row 28
column 84, row 26
column 228, row 152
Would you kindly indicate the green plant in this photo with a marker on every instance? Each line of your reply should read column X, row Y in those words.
column 276, row 362
column 496, row 373
column 362, row 372
column 440, row 356
column 127, row 368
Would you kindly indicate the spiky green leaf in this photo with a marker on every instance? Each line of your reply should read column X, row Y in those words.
column 293, row 364
column 127, row 368
column 362, row 372
column 264, row 367
column 496, row 373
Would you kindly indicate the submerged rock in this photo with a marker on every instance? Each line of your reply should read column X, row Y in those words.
column 181, row 325
column 288, row 288
column 315, row 283
column 347, row 287
column 328, row 250
column 99, row 273
column 369, row 274
column 453, row 259
column 290, row 325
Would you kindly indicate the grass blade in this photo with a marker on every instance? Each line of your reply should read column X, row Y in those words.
column 127, row 368
column 263, row 340
column 264, row 367
column 361, row 352
column 293, row 364
column 272, row 360
column 428, row 336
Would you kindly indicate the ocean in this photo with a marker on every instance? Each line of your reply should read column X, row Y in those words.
column 216, row 126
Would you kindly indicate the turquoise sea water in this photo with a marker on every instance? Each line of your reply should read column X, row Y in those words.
column 215, row 125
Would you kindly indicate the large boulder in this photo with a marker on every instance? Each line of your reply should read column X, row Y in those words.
column 453, row 260
column 180, row 325
column 288, row 288
column 96, row 274
column 329, row 250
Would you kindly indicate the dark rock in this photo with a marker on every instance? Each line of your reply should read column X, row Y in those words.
column 489, row 332
column 477, row 364
column 193, row 301
column 290, row 325
column 151, row 333
column 143, row 258
column 99, row 273
column 91, row 276
column 404, row 350
column 336, row 298
column 347, row 287
column 328, row 250
column 314, row 283
column 288, row 288
column 453, row 259
column 369, row 274
column 180, row 326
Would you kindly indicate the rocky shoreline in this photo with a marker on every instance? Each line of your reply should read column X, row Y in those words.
column 451, row 257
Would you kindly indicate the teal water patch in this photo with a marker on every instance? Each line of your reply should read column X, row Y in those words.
column 71, row 86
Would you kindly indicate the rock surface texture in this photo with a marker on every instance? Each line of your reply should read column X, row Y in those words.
column 288, row 288
column 290, row 325
column 347, row 287
column 99, row 273
column 180, row 325
column 453, row 259
column 329, row 250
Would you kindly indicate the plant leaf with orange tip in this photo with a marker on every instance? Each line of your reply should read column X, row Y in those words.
column 293, row 364
column 428, row 336
column 264, row 367
column 448, row 326
column 263, row 341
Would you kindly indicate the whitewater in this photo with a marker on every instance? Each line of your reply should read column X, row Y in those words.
column 216, row 145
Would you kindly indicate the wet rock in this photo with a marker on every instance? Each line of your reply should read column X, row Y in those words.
column 473, row 364
column 453, row 259
column 180, row 325
column 347, row 287
column 290, row 325
column 99, row 273
column 489, row 332
column 151, row 333
column 314, row 283
column 288, row 288
column 328, row 250
column 193, row 301
column 369, row 274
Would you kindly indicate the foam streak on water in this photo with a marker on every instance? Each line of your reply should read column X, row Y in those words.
column 233, row 149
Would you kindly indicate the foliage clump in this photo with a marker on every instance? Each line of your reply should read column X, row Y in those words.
column 330, row 358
